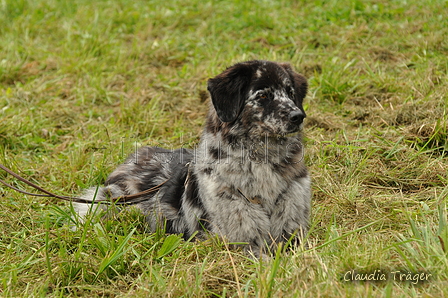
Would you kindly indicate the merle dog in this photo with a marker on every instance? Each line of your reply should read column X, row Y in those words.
column 246, row 180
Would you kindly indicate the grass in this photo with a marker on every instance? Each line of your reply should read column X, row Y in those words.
column 83, row 82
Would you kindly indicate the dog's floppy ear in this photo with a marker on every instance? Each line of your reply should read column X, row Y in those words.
column 228, row 91
column 300, row 83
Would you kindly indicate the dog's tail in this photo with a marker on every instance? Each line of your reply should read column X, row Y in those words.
column 98, row 196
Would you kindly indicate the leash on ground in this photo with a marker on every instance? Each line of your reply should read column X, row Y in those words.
column 121, row 200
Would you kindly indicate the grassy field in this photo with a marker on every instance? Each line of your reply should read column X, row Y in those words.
column 84, row 82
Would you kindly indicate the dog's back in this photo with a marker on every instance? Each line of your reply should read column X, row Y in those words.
column 147, row 168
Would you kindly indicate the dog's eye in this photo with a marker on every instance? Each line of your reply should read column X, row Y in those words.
column 262, row 96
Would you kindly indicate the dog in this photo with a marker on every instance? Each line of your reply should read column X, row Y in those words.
column 246, row 181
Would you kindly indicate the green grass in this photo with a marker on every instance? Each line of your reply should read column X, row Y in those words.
column 83, row 82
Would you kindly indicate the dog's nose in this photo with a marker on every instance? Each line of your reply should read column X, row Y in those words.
column 296, row 116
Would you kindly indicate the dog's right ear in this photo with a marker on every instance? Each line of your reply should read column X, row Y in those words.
column 228, row 91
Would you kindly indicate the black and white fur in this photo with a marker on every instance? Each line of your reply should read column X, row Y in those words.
column 246, row 181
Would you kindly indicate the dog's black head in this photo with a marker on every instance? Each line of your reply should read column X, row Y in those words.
column 261, row 96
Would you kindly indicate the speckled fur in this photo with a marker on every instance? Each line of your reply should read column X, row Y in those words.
column 246, row 181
